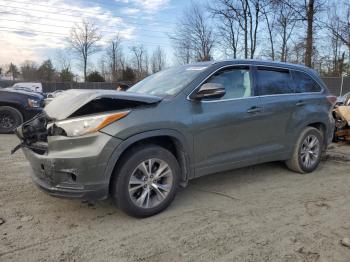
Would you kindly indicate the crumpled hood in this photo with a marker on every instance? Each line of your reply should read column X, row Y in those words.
column 69, row 101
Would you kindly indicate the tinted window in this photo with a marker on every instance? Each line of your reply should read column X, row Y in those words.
column 274, row 81
column 304, row 83
column 236, row 82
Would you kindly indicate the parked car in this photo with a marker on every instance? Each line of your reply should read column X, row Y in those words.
column 35, row 87
column 181, row 123
column 18, row 106
column 54, row 94
column 51, row 96
column 343, row 100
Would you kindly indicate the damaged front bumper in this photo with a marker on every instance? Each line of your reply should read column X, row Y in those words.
column 73, row 167
column 65, row 146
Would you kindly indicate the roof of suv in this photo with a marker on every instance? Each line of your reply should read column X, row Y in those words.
column 257, row 62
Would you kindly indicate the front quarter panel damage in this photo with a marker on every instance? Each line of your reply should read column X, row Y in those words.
column 77, row 163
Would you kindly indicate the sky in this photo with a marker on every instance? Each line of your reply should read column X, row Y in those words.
column 36, row 29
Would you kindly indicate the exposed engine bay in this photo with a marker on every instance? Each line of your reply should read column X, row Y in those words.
column 87, row 108
column 33, row 134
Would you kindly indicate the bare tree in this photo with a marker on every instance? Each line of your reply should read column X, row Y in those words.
column 140, row 61
column 146, row 65
column 286, row 22
column 336, row 44
column 104, row 68
column 298, row 52
column 228, row 27
column 83, row 40
column 339, row 26
column 63, row 60
column 13, row 71
column 247, row 14
column 307, row 11
column 158, row 60
column 194, row 35
column 114, row 55
column 310, row 13
column 183, row 47
column 270, row 17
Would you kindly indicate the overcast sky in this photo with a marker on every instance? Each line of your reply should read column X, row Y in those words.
column 36, row 29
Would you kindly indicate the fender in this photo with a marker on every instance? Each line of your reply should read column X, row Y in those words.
column 13, row 104
column 182, row 145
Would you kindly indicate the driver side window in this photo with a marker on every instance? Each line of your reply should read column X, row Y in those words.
column 236, row 81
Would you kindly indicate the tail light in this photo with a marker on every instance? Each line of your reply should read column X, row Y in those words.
column 332, row 100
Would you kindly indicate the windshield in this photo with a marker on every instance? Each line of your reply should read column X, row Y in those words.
column 168, row 82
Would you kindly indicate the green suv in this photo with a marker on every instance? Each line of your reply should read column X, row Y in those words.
column 188, row 121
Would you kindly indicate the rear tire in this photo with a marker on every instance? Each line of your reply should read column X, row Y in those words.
column 146, row 181
column 307, row 151
column 10, row 118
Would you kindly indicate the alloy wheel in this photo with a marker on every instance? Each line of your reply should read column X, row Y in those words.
column 150, row 183
column 310, row 150
column 6, row 120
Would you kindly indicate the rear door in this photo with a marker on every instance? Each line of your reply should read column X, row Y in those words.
column 312, row 103
column 278, row 102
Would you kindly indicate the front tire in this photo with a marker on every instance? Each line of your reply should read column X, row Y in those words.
column 146, row 181
column 307, row 151
column 10, row 118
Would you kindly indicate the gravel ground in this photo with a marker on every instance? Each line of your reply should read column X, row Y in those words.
column 260, row 213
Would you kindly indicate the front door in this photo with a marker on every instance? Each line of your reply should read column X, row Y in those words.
column 226, row 130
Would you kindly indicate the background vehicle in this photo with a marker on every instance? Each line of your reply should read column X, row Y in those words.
column 343, row 100
column 35, row 87
column 51, row 96
column 18, row 106
column 178, row 124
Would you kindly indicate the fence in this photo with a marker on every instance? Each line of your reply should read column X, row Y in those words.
column 336, row 85
column 53, row 86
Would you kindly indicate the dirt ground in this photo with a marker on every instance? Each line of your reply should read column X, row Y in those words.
column 260, row 213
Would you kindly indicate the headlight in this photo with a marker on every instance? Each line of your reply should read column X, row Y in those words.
column 89, row 124
column 33, row 103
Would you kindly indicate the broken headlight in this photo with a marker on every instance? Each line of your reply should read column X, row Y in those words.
column 88, row 124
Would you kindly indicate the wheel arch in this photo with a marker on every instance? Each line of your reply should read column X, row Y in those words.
column 172, row 140
column 15, row 112
column 14, row 105
column 322, row 127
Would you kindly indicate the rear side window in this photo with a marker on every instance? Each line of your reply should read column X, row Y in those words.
column 304, row 83
column 274, row 81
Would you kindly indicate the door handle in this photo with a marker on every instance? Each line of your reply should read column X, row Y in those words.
column 254, row 110
column 300, row 103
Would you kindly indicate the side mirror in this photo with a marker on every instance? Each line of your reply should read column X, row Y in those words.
column 209, row 90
